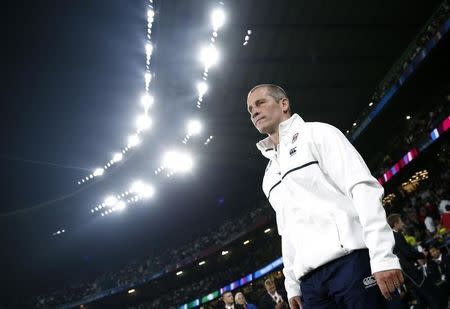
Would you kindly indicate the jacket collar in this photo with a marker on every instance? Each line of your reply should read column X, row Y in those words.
column 266, row 145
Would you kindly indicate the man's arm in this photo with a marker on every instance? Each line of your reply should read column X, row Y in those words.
column 292, row 284
column 343, row 164
column 405, row 250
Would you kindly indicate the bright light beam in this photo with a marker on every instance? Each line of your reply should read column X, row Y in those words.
column 217, row 18
column 194, row 127
column 202, row 88
column 209, row 56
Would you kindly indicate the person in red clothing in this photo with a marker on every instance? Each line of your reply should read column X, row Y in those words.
column 445, row 219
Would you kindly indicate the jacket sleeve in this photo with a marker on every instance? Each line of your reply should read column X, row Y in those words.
column 291, row 284
column 340, row 161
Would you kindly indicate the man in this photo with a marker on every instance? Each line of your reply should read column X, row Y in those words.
column 272, row 299
column 328, row 209
column 443, row 261
column 418, row 281
column 228, row 300
column 239, row 299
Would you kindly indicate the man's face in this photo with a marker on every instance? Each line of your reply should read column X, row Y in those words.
column 240, row 299
column 435, row 253
column 399, row 225
column 271, row 289
column 265, row 113
column 228, row 298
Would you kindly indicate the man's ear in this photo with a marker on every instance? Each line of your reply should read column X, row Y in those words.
column 284, row 104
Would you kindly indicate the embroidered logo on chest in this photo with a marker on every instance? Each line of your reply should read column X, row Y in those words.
column 292, row 151
column 294, row 138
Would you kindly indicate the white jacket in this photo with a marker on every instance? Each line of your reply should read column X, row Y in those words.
column 326, row 201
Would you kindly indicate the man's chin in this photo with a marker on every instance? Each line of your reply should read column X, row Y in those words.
column 261, row 130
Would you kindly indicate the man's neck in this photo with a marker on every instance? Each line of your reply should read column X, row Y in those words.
column 275, row 138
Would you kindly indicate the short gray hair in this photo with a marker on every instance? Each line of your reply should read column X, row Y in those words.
column 273, row 90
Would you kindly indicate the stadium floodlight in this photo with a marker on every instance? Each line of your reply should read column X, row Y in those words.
column 267, row 230
column 143, row 122
column 354, row 124
column 202, row 87
column 99, row 172
column 217, row 18
column 179, row 273
column 246, row 242
column 148, row 49
column 201, row 263
column 209, row 56
column 137, row 187
column 178, row 161
column 148, row 78
column 148, row 192
column 147, row 101
column 118, row 157
column 408, row 117
column 194, row 127
column 120, row 205
column 133, row 140
column 371, row 103
column 142, row 189
column 131, row 291
column 110, row 201
column 225, row 252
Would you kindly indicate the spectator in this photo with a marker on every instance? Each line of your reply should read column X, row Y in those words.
column 416, row 280
column 272, row 299
column 429, row 224
column 443, row 206
column 445, row 218
column 228, row 302
column 443, row 261
column 239, row 299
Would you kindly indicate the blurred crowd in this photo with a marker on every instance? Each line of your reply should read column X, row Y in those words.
column 415, row 132
column 266, row 252
column 421, row 225
column 441, row 15
column 140, row 271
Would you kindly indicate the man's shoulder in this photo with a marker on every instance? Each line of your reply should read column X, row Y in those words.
column 320, row 129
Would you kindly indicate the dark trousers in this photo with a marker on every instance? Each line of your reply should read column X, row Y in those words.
column 347, row 283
